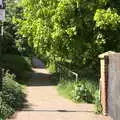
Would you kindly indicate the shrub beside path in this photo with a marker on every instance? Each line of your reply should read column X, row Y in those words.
column 44, row 103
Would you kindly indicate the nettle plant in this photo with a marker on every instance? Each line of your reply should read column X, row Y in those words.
column 81, row 93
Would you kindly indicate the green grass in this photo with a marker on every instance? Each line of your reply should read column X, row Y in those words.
column 65, row 89
column 98, row 106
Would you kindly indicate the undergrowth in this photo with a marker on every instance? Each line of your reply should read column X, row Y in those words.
column 12, row 96
column 81, row 91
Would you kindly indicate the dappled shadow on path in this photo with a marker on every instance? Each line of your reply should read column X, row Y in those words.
column 40, row 110
column 40, row 77
column 39, row 82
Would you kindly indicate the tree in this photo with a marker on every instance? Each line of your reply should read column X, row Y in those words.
column 77, row 30
column 10, row 29
column 56, row 28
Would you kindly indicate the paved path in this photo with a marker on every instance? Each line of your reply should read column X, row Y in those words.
column 45, row 103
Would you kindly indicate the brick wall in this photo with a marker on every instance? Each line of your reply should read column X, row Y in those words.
column 104, row 61
column 110, row 84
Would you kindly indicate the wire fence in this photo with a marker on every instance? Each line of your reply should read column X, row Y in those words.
column 65, row 73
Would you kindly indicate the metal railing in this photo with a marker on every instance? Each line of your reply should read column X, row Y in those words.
column 65, row 73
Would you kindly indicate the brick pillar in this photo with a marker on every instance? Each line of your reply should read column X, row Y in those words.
column 104, row 63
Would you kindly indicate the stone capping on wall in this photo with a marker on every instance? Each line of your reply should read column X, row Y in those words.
column 104, row 61
column 101, row 56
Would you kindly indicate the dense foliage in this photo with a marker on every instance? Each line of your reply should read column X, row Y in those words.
column 12, row 42
column 12, row 96
column 75, row 30
column 16, row 64
column 82, row 91
column 8, row 42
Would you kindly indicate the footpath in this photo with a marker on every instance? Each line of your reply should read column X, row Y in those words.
column 44, row 102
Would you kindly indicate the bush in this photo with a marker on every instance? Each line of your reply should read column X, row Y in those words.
column 16, row 64
column 12, row 91
column 5, row 109
column 84, row 91
column 12, row 96
column 81, row 93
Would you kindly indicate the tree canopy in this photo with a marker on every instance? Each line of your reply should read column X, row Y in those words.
column 75, row 30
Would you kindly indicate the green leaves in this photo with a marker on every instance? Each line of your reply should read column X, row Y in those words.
column 107, row 18
column 36, row 25
column 12, row 96
column 77, row 30
column 71, row 31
